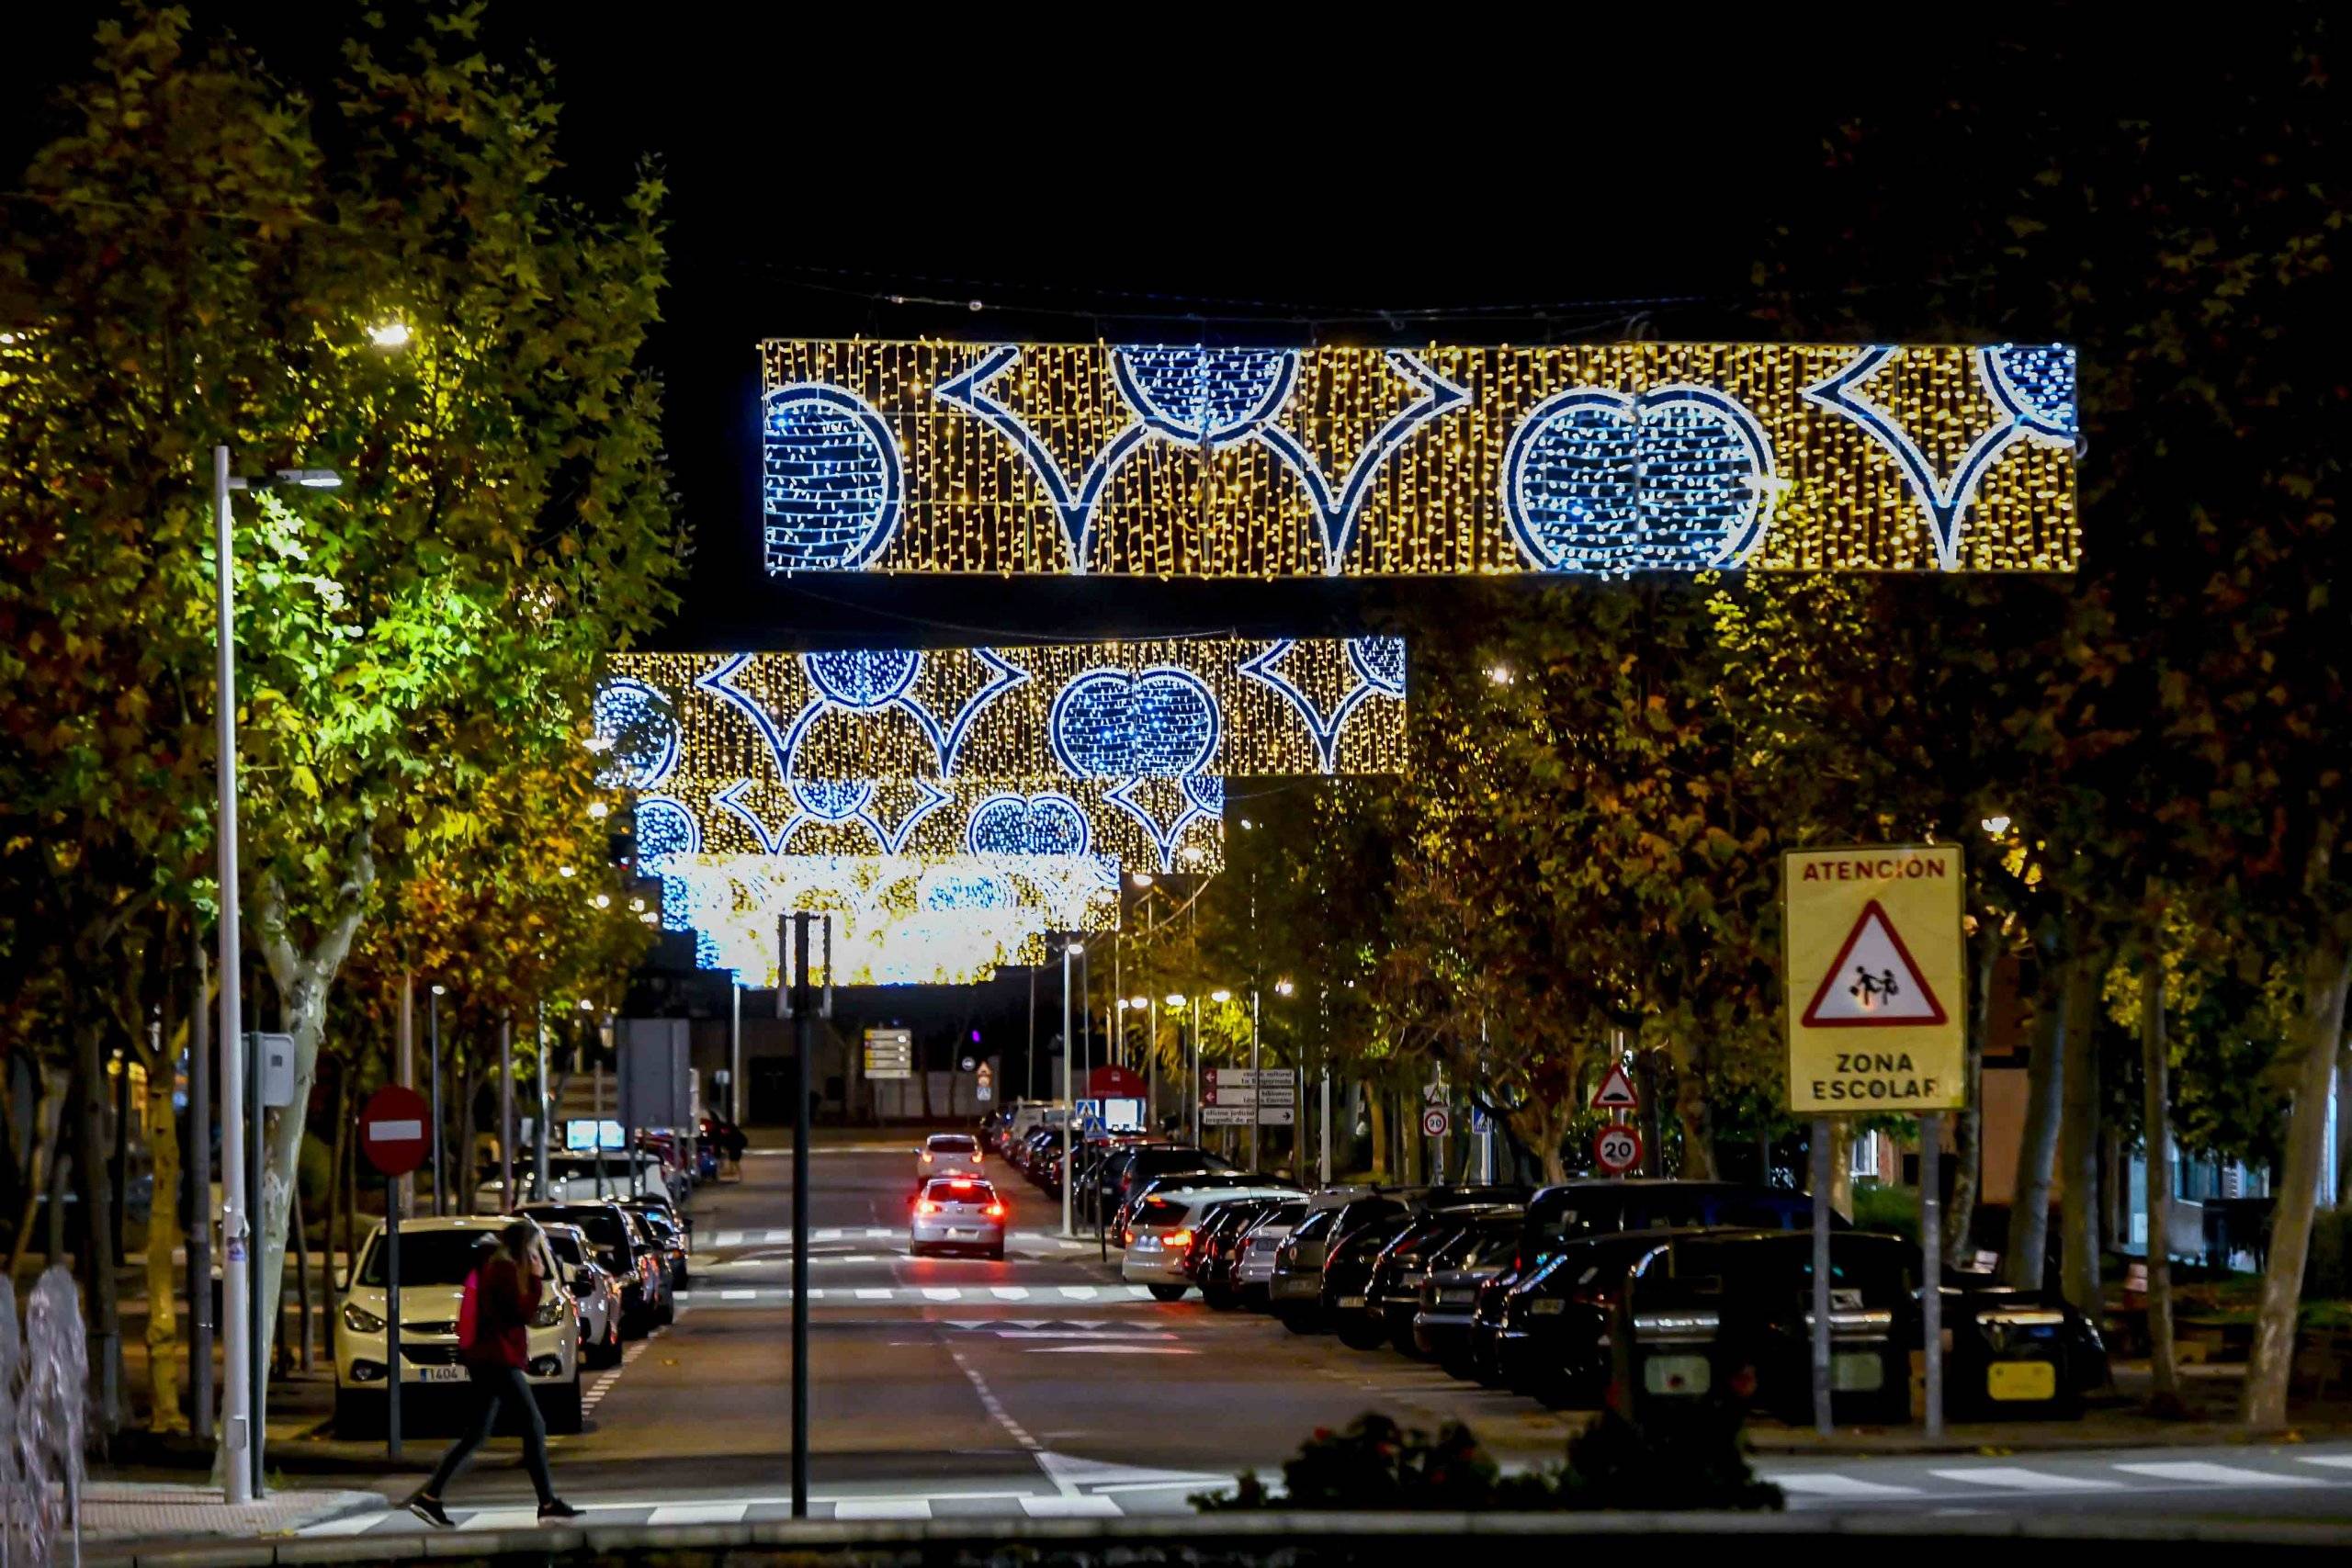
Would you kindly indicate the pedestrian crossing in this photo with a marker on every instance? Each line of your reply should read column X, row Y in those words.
column 915, row 1295
column 948, row 1503
column 1898, row 1483
column 721, row 1240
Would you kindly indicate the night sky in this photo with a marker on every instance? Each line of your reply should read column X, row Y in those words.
column 1388, row 177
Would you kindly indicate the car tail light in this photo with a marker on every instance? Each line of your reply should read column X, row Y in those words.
column 1178, row 1240
column 926, row 1157
column 1126, row 1238
column 925, row 1206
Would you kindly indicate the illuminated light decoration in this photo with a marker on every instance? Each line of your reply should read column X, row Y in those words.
column 1108, row 723
column 920, row 816
column 1378, row 663
column 2032, row 389
column 1165, row 807
column 830, row 482
column 637, row 728
column 1230, row 463
column 899, row 919
column 1236, row 708
column 1675, row 479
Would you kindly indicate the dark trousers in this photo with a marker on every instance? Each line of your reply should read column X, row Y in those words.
column 493, row 1387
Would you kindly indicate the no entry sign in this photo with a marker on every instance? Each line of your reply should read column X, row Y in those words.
column 395, row 1130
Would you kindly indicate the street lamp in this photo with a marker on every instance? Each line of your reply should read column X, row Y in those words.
column 391, row 335
column 1995, row 826
column 241, row 1415
column 1143, row 879
column 1283, row 987
column 1220, row 996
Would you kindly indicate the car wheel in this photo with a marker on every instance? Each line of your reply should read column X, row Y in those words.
column 565, row 1415
column 1298, row 1321
column 916, row 1249
column 1167, row 1292
column 1219, row 1298
column 996, row 1253
column 1360, row 1331
column 359, row 1415
column 669, row 1313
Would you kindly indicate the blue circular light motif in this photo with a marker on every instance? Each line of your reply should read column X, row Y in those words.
column 832, row 800
column 1590, row 485
column 1108, row 723
column 1216, row 395
column 2042, row 376
column 639, row 732
column 942, row 890
column 1206, row 791
column 831, row 479
column 864, row 679
column 664, row 827
column 1046, row 825
column 1381, row 662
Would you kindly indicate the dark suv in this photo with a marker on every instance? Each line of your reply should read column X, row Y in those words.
column 1575, row 1209
column 624, row 1251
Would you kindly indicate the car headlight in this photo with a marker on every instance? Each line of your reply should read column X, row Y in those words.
column 550, row 1313
column 360, row 1320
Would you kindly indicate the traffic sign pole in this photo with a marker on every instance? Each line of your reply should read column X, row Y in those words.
column 392, row 1318
column 392, row 1135
column 1821, row 1178
column 1931, row 1265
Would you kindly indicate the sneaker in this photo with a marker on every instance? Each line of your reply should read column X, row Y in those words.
column 557, row 1508
column 430, row 1511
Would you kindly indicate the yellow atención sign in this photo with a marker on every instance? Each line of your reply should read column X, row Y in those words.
column 1876, row 971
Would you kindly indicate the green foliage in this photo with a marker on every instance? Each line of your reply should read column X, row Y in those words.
column 1893, row 1211
column 2328, row 1273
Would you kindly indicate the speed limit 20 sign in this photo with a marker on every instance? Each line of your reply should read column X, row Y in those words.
column 1617, row 1149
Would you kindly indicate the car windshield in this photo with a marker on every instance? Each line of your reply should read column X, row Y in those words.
column 428, row 1258
column 1159, row 1211
column 605, row 1226
column 946, row 1189
column 566, row 1247
column 952, row 1143
column 1315, row 1225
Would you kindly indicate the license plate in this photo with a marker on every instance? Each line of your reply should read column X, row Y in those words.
column 962, row 1233
column 1681, row 1375
column 1852, row 1373
column 2021, row 1380
column 440, row 1375
column 1348, row 1304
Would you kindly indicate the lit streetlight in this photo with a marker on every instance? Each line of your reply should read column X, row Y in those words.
column 391, row 335
column 1143, row 879
column 1995, row 826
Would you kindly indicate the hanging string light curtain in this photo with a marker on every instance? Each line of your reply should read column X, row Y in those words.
column 1253, row 462
column 709, row 728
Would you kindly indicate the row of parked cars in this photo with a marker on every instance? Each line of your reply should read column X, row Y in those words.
column 1664, row 1290
column 613, row 1267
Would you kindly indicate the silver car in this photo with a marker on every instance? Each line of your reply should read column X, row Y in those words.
column 957, row 1212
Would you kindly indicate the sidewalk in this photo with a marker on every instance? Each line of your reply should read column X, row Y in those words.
column 130, row 1510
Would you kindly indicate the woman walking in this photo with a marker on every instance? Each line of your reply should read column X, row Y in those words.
column 494, row 1341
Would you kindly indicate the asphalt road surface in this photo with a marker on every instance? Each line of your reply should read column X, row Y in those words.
column 1043, row 1386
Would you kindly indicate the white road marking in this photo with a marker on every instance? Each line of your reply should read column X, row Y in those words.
column 2334, row 1461
column 739, row 1295
column 699, row 1514
column 1080, row 1292
column 1113, row 1350
column 1069, row 1508
column 942, row 1294
column 500, row 1519
column 884, row 1509
column 872, row 1294
column 1824, row 1485
column 2016, row 1477
column 2217, row 1474
column 1021, row 1293
column 351, row 1524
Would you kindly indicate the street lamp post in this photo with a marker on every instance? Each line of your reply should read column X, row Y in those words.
column 1070, row 1100
column 433, row 1038
column 240, row 1421
column 1176, row 1007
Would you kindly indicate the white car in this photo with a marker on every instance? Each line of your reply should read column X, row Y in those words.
column 1163, row 1227
column 948, row 1154
column 595, row 1292
column 1255, row 1271
column 435, row 1257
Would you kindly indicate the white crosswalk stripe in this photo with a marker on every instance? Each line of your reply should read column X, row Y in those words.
column 884, row 1509
column 698, row 1514
column 2217, row 1474
column 1071, row 1507
column 2016, row 1477
column 1822, row 1483
column 2333, row 1461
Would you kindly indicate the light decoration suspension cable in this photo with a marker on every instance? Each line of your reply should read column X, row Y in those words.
column 1608, row 458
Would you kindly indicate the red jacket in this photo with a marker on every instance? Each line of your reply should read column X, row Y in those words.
column 506, row 1295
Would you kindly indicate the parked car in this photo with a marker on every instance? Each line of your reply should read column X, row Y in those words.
column 1213, row 1260
column 1161, row 1229
column 591, row 1177
column 1187, row 1181
column 1347, row 1276
column 1294, row 1288
column 1552, row 1339
column 956, row 1212
column 1393, row 1293
column 1574, row 1208
column 1449, row 1292
column 624, row 1251
column 596, row 1294
column 1255, row 1267
column 669, row 1239
column 1146, row 1161
column 436, row 1255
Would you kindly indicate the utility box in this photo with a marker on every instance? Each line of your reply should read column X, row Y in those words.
column 655, row 1071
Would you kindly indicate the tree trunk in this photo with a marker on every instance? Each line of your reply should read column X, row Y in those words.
column 40, row 1171
column 2155, row 1065
column 338, row 1151
column 1690, row 1109
column 163, row 1238
column 1968, row 1121
column 1377, row 1107
column 97, row 1226
column 1841, row 1165
column 2079, row 1142
column 303, row 980
column 2038, row 1142
column 2326, row 969
column 302, row 1279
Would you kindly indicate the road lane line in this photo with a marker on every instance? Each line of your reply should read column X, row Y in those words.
column 500, row 1519
column 2334, row 1461
column 883, row 1508
column 1065, row 1507
column 2216, row 1475
column 1010, row 1292
column 1078, row 1292
column 738, row 1295
column 1824, row 1484
column 699, row 1514
column 993, row 1406
column 874, row 1293
column 940, row 1293
column 2017, row 1478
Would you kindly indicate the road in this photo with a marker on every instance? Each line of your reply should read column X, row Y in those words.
column 1042, row 1386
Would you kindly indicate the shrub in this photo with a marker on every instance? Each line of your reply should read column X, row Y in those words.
column 1893, row 1211
column 1694, row 1459
column 2327, row 1275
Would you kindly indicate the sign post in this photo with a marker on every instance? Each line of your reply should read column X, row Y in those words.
column 393, row 1134
column 1617, row 1148
column 1875, row 969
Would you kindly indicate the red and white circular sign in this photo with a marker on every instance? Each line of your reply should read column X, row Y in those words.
column 1617, row 1149
column 395, row 1130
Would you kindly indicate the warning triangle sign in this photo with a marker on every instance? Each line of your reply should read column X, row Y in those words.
column 1616, row 1091
column 1874, row 982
